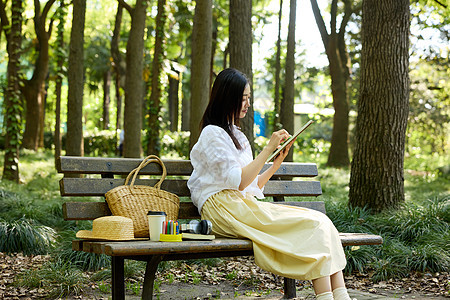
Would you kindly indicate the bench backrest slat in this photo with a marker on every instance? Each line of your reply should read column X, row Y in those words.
column 123, row 166
column 93, row 210
column 99, row 186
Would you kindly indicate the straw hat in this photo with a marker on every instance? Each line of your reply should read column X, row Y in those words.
column 114, row 228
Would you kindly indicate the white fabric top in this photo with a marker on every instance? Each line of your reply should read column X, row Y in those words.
column 218, row 164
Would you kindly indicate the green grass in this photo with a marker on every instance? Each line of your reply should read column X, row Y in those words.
column 416, row 236
column 59, row 278
column 24, row 236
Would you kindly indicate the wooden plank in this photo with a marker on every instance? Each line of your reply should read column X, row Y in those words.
column 356, row 239
column 316, row 205
column 138, row 248
column 99, row 186
column 122, row 166
column 93, row 210
column 85, row 210
column 152, row 248
column 118, row 165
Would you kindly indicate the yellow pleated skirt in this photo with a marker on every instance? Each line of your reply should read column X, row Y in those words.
column 290, row 241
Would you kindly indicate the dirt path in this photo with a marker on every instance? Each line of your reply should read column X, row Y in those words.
column 235, row 278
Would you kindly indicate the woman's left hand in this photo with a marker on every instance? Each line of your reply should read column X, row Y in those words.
column 282, row 155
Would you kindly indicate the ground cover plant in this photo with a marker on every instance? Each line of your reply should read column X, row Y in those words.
column 416, row 236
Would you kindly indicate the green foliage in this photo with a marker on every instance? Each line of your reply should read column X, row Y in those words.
column 24, row 236
column 429, row 119
column 82, row 260
column 358, row 258
column 100, row 143
column 60, row 278
column 415, row 238
column 414, row 222
column 175, row 144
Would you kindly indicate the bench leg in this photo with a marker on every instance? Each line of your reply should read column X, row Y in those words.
column 117, row 278
column 150, row 274
column 289, row 288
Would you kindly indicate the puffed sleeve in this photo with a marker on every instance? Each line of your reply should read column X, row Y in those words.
column 222, row 165
column 254, row 189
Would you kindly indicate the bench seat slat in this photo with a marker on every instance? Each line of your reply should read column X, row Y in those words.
column 93, row 210
column 136, row 248
column 99, row 186
column 122, row 166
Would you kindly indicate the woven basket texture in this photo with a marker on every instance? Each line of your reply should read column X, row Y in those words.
column 134, row 201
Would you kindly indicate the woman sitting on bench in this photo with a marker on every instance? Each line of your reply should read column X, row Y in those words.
column 293, row 242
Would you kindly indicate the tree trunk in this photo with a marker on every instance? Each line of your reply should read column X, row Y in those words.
column 57, row 138
column 338, row 156
column 376, row 180
column 12, row 95
column 276, row 110
column 106, row 98
column 213, row 47
column 74, row 141
column 118, row 68
column 240, row 46
column 174, row 85
column 339, row 66
column 134, row 83
column 287, row 104
column 186, row 113
column 33, row 89
column 200, row 66
column 153, row 146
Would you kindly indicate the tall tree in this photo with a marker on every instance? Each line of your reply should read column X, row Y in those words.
column 278, row 71
column 155, row 96
column 106, row 98
column 60, row 54
column 200, row 65
column 74, row 144
column 34, row 88
column 339, row 66
column 240, row 46
column 118, row 65
column 134, row 83
column 376, row 179
column 173, row 99
column 287, row 104
column 12, row 101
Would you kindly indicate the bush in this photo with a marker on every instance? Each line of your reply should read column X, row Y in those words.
column 416, row 238
column 82, row 260
column 175, row 145
column 96, row 143
column 24, row 236
column 413, row 222
column 58, row 277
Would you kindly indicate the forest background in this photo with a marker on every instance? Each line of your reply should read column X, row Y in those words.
column 74, row 75
column 86, row 81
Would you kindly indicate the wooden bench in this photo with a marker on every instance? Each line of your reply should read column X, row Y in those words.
column 93, row 176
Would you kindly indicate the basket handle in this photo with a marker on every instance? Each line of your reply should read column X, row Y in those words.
column 149, row 159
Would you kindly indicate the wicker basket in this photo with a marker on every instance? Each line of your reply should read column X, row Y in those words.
column 134, row 201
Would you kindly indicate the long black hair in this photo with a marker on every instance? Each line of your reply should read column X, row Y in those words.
column 225, row 103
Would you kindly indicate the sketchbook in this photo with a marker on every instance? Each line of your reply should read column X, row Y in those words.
column 274, row 154
column 194, row 236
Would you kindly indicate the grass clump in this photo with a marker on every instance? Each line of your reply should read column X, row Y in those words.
column 24, row 236
column 415, row 238
column 82, row 260
column 59, row 278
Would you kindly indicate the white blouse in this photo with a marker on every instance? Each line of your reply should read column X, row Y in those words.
column 218, row 164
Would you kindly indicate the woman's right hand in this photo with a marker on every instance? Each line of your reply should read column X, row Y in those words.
column 276, row 139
